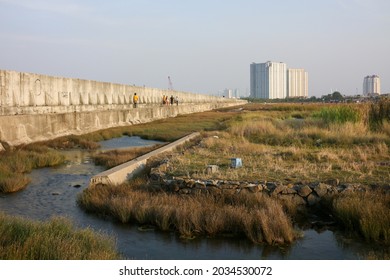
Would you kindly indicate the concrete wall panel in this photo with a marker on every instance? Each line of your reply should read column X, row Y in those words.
column 39, row 107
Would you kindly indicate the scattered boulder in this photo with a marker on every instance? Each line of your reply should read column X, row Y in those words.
column 321, row 189
column 211, row 169
column 312, row 199
column 293, row 198
column 234, row 183
column 278, row 189
column 189, row 183
column 304, row 191
column 352, row 188
column 200, row 185
column 212, row 183
column 289, row 190
column 296, row 199
column 255, row 188
column 262, row 187
column 271, row 186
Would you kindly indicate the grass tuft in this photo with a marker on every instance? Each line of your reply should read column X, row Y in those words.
column 57, row 239
column 365, row 213
column 14, row 164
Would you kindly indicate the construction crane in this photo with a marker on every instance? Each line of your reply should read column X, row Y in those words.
column 170, row 86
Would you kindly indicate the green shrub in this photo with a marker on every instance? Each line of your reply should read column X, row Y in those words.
column 338, row 114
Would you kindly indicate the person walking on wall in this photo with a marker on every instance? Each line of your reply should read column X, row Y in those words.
column 172, row 99
column 177, row 100
column 135, row 100
column 165, row 99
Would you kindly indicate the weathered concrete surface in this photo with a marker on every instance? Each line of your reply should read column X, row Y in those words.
column 38, row 107
column 125, row 171
column 20, row 129
column 20, row 91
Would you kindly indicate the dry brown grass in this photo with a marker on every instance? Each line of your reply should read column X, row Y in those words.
column 276, row 143
column 115, row 157
column 275, row 147
column 360, row 163
column 259, row 218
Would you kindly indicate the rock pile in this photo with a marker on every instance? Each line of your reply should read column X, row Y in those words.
column 298, row 193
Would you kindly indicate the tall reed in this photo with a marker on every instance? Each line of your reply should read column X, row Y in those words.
column 339, row 114
column 379, row 114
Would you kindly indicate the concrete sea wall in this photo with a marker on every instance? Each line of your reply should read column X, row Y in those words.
column 37, row 107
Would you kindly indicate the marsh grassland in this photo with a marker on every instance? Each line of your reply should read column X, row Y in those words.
column 256, row 217
column 288, row 143
column 59, row 238
column 281, row 143
column 15, row 163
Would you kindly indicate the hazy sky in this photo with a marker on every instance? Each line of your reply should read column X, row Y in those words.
column 204, row 46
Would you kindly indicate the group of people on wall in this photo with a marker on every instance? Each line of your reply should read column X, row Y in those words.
column 165, row 100
column 170, row 101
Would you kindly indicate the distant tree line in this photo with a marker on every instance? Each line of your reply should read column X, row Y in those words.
column 332, row 97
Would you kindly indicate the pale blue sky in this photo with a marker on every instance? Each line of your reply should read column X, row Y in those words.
column 205, row 46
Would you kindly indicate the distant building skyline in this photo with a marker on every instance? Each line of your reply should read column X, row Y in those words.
column 272, row 80
column 268, row 80
column 298, row 83
column 371, row 85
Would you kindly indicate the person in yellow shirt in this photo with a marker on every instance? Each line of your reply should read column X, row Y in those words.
column 135, row 100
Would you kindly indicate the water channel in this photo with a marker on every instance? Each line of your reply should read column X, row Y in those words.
column 53, row 192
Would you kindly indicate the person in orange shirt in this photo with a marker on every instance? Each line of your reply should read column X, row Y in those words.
column 135, row 100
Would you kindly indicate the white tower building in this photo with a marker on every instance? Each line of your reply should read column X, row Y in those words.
column 297, row 83
column 371, row 85
column 268, row 80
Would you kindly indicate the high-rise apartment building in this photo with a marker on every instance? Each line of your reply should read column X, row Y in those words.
column 268, row 80
column 371, row 85
column 273, row 80
column 297, row 83
column 228, row 93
